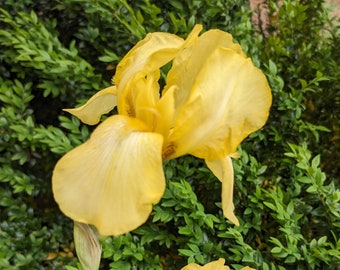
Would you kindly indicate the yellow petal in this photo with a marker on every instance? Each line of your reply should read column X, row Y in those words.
column 101, row 103
column 215, row 265
column 229, row 99
column 146, row 96
column 156, row 113
column 192, row 266
column 147, row 56
column 166, row 110
column 223, row 170
column 151, row 53
column 113, row 179
column 144, row 60
column 189, row 62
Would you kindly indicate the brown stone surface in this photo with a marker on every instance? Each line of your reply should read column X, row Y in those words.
column 333, row 4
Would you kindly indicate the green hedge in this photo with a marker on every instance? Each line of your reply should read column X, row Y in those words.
column 56, row 54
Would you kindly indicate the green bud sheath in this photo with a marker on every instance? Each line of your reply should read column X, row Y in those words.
column 87, row 246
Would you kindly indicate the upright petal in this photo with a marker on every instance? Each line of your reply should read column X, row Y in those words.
column 223, row 170
column 166, row 111
column 151, row 53
column 215, row 265
column 146, row 57
column 112, row 180
column 102, row 102
column 157, row 113
column 229, row 99
column 188, row 63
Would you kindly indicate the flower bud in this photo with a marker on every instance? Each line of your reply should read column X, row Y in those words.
column 87, row 246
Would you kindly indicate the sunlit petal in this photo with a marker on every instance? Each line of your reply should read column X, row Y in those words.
column 215, row 265
column 229, row 99
column 223, row 170
column 101, row 103
column 113, row 179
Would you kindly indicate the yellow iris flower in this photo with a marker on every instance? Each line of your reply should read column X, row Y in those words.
column 214, row 97
column 215, row 265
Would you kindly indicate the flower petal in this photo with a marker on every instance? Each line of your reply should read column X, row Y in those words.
column 112, row 180
column 101, row 103
column 147, row 56
column 223, row 170
column 229, row 99
column 189, row 62
column 143, row 60
column 215, row 265
column 166, row 110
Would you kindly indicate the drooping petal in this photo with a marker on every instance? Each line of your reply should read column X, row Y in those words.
column 102, row 102
column 215, row 265
column 223, row 170
column 229, row 99
column 113, row 179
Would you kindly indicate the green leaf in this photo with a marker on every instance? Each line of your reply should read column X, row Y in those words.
column 186, row 252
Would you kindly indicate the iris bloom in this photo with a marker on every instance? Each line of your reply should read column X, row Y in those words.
column 215, row 265
column 214, row 97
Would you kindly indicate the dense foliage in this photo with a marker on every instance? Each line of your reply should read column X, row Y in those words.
column 56, row 54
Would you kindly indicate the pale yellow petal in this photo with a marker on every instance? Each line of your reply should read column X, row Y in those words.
column 166, row 110
column 223, row 170
column 193, row 36
column 147, row 56
column 215, row 265
column 113, row 179
column 144, row 60
column 192, row 266
column 187, row 65
column 146, row 96
column 101, row 103
column 229, row 99
column 144, row 103
column 151, row 53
